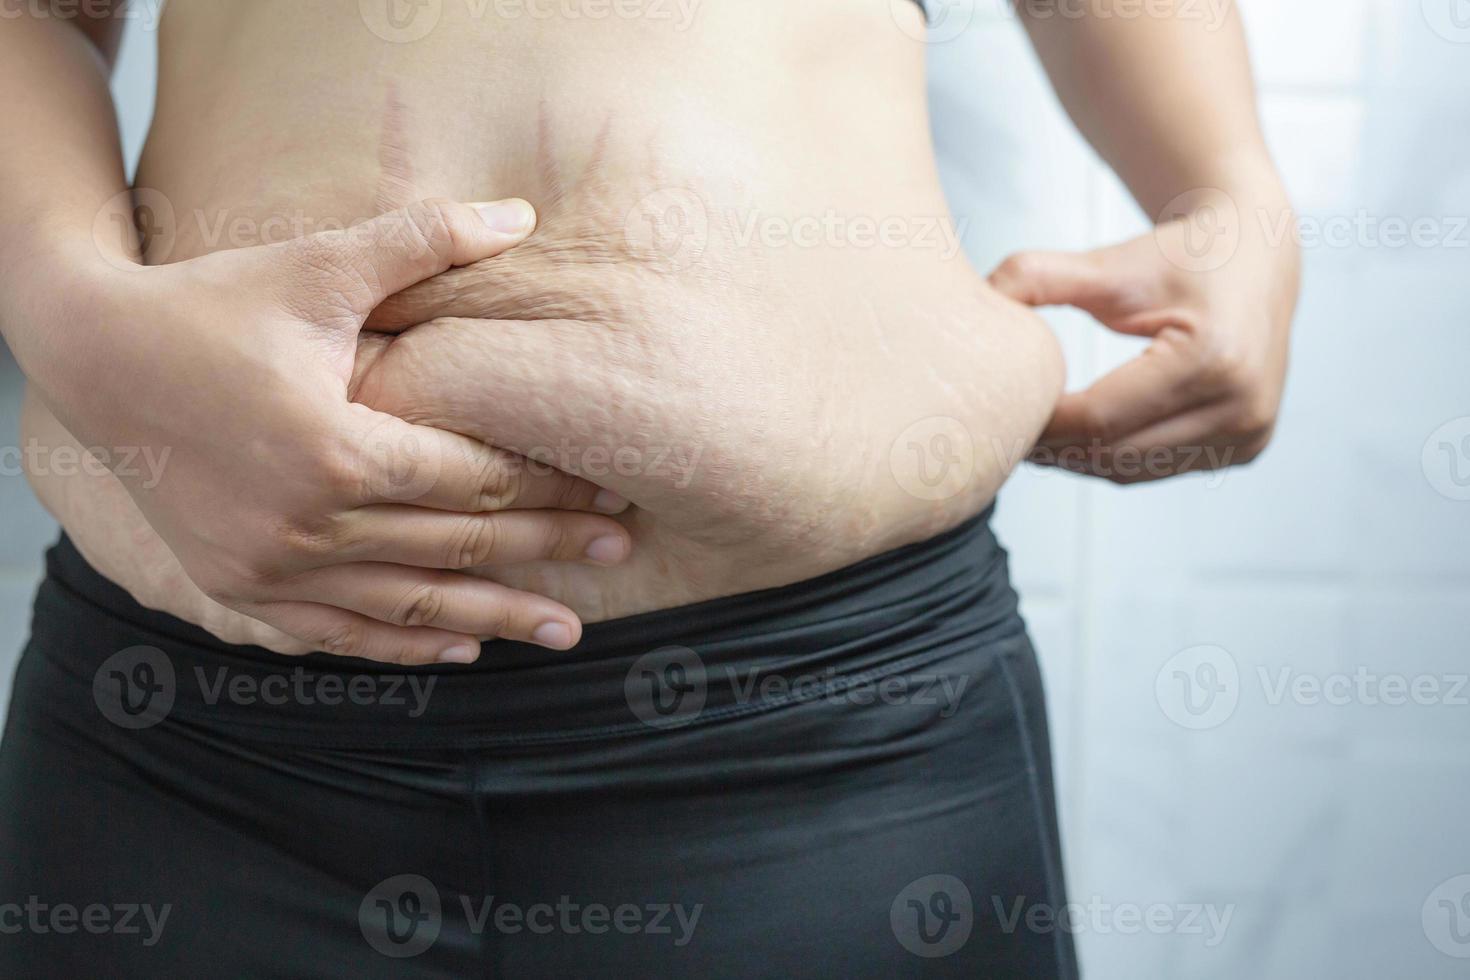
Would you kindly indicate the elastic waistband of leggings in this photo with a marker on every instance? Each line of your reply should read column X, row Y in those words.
column 631, row 676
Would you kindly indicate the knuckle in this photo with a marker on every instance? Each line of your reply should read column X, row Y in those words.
column 473, row 543
column 242, row 577
column 1097, row 428
column 1017, row 266
column 339, row 471
column 572, row 493
column 499, row 482
column 423, row 605
column 1252, row 449
column 307, row 540
column 1226, row 371
column 557, row 541
column 1256, row 420
column 430, row 227
column 342, row 639
column 498, row 620
column 403, row 656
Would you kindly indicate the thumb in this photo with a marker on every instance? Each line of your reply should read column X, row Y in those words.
column 371, row 261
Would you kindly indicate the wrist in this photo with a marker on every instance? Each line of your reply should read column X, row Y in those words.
column 52, row 317
column 1246, row 180
column 1245, row 198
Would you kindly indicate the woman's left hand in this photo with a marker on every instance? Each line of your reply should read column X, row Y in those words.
column 1215, row 288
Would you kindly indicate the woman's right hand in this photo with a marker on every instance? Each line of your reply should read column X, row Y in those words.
column 279, row 497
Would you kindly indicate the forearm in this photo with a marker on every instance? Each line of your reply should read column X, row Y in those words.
column 61, row 163
column 1163, row 91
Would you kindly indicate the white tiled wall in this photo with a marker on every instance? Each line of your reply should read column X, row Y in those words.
column 1321, row 829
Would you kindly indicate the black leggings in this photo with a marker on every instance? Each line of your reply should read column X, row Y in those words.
column 844, row 778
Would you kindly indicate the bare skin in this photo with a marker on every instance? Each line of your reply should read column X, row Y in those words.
column 745, row 396
column 702, row 322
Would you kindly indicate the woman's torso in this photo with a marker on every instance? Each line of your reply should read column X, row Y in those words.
column 745, row 267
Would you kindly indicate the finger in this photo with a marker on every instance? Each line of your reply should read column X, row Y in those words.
column 1200, row 439
column 433, row 467
column 348, row 634
column 1158, row 383
column 452, row 601
column 1052, row 278
column 1115, row 285
column 439, row 539
column 375, row 259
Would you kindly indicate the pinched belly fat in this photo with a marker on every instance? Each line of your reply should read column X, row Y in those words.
column 773, row 412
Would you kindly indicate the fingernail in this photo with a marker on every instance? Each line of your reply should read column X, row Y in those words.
column 511, row 217
column 558, row 636
column 607, row 550
column 462, row 654
column 610, row 503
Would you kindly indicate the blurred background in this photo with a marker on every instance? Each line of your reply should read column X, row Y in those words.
column 1258, row 680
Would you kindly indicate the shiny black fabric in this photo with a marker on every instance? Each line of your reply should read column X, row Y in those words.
column 848, row 777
